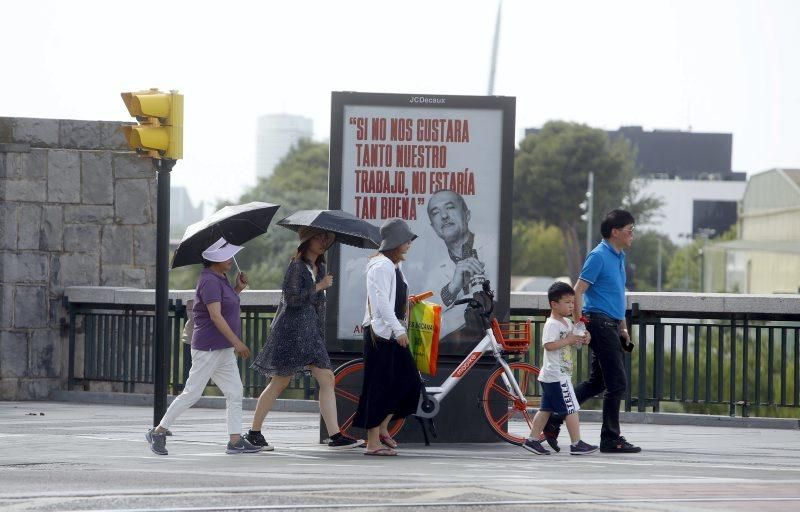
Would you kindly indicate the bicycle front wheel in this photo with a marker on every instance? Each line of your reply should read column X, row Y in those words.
column 507, row 413
column 348, row 380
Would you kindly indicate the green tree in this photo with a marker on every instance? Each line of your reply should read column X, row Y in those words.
column 299, row 182
column 537, row 249
column 642, row 259
column 685, row 269
column 683, row 272
column 727, row 236
column 184, row 278
column 551, row 171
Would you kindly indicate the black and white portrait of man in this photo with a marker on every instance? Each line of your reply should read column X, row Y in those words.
column 459, row 268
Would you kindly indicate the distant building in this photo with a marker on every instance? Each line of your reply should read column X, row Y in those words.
column 275, row 136
column 692, row 207
column 766, row 256
column 674, row 154
column 691, row 173
column 182, row 212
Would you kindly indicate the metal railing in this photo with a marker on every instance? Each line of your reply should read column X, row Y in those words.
column 714, row 364
column 114, row 343
column 712, row 360
column 744, row 360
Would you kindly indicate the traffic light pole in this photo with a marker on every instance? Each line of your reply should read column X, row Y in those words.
column 161, row 359
column 158, row 135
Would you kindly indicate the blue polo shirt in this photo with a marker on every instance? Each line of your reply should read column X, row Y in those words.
column 604, row 270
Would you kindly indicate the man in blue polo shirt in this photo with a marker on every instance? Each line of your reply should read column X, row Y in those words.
column 601, row 291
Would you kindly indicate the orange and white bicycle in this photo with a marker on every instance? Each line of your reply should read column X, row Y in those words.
column 508, row 392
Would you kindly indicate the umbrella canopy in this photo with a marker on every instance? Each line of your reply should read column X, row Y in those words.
column 237, row 224
column 349, row 229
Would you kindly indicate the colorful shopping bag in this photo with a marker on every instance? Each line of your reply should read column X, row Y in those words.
column 424, row 324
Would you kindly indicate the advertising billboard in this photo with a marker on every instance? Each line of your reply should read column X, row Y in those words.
column 445, row 165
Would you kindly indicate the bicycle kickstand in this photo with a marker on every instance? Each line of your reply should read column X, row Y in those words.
column 424, row 430
column 432, row 426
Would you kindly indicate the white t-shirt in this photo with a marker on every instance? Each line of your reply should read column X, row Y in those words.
column 556, row 364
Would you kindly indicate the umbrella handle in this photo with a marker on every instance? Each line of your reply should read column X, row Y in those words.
column 239, row 270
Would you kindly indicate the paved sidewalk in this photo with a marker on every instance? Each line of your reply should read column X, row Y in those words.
column 94, row 457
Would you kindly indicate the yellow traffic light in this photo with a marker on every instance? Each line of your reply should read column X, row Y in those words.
column 160, row 116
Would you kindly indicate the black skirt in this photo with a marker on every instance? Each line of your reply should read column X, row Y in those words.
column 392, row 383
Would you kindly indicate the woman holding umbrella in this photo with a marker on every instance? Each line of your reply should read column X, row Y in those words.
column 297, row 339
column 216, row 341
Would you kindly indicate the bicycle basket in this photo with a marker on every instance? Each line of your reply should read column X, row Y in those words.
column 512, row 336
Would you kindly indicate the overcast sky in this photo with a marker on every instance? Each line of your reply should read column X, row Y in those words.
column 712, row 66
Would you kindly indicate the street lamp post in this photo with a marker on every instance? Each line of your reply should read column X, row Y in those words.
column 658, row 270
column 702, row 270
column 687, row 259
column 588, row 206
column 704, row 234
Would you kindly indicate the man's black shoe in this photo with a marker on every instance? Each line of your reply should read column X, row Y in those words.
column 552, row 441
column 618, row 445
column 551, row 430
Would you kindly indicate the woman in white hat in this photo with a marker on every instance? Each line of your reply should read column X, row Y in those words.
column 296, row 342
column 216, row 341
column 391, row 381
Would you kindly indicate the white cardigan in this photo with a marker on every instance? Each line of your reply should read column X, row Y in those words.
column 381, row 295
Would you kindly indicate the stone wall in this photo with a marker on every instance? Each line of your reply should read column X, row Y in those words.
column 76, row 208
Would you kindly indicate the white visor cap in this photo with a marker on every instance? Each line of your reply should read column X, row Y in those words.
column 221, row 251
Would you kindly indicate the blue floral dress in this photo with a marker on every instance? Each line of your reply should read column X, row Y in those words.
column 297, row 338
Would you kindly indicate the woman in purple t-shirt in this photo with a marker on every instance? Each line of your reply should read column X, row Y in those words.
column 216, row 341
column 296, row 342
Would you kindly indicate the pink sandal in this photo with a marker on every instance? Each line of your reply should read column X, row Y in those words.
column 381, row 452
column 388, row 441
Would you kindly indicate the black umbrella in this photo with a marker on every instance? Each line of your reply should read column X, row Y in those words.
column 349, row 229
column 237, row 224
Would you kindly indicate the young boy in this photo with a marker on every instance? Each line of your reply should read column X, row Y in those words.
column 557, row 393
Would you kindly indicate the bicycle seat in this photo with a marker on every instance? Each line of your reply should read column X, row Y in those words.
column 478, row 313
column 482, row 300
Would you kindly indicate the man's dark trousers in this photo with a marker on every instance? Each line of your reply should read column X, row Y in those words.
column 607, row 373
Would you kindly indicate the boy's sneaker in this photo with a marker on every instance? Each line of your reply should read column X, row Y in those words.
column 618, row 445
column 257, row 439
column 536, row 447
column 582, row 448
column 241, row 446
column 340, row 441
column 157, row 441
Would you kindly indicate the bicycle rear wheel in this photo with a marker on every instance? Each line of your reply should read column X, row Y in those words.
column 348, row 380
column 506, row 413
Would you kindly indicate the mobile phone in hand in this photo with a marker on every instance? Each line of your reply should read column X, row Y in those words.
column 626, row 345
